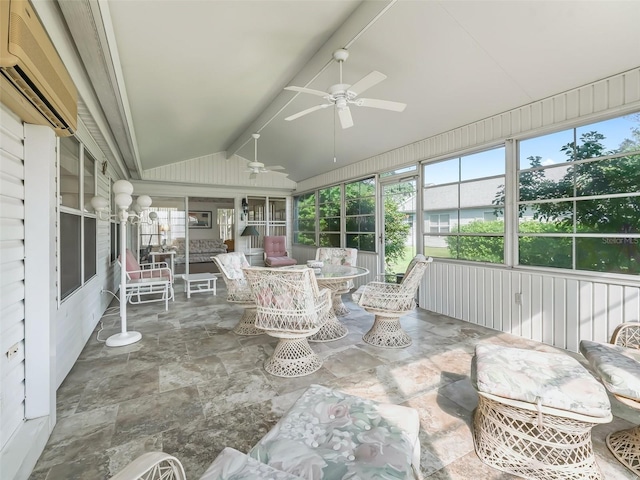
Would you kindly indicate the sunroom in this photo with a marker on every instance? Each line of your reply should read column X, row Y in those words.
column 514, row 166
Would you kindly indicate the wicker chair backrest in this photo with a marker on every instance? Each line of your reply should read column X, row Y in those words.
column 415, row 272
column 231, row 265
column 337, row 256
column 287, row 299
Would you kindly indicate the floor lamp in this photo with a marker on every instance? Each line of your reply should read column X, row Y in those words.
column 250, row 231
column 122, row 191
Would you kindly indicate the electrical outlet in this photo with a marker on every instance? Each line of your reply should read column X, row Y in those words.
column 518, row 299
column 13, row 351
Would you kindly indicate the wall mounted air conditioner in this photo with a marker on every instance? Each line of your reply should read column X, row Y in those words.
column 34, row 82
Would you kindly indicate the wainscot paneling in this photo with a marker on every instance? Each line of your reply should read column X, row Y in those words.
column 542, row 306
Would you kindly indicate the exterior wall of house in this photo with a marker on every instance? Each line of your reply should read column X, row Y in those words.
column 553, row 306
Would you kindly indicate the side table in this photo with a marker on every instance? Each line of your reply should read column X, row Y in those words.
column 200, row 283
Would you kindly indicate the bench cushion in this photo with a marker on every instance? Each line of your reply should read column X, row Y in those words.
column 231, row 464
column 329, row 434
column 558, row 380
column 618, row 367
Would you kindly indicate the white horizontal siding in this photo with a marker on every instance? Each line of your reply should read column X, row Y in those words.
column 12, row 275
column 553, row 309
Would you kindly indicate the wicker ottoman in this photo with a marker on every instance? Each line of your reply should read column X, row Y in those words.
column 535, row 413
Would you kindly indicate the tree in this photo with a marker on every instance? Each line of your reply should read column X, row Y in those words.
column 612, row 212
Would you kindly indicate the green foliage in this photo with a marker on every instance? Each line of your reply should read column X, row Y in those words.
column 396, row 229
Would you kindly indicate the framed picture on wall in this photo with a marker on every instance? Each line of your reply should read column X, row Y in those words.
column 199, row 219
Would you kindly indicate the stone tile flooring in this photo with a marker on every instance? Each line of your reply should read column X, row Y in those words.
column 191, row 387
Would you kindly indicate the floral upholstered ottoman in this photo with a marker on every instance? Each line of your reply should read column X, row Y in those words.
column 535, row 413
column 331, row 435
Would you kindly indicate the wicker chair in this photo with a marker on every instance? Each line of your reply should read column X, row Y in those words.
column 238, row 290
column 618, row 366
column 290, row 307
column 390, row 301
column 339, row 256
column 152, row 466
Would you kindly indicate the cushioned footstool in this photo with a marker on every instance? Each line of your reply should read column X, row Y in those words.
column 231, row 464
column 331, row 435
column 535, row 413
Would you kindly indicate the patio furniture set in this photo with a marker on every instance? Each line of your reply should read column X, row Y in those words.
column 535, row 409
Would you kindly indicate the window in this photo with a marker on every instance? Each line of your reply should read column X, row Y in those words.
column 579, row 198
column 225, row 222
column 329, row 211
column 464, row 207
column 77, row 241
column 304, row 226
column 360, row 214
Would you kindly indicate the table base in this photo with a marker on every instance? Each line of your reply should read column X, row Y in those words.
column 331, row 330
column 247, row 324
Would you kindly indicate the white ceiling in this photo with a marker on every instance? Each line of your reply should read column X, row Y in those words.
column 199, row 77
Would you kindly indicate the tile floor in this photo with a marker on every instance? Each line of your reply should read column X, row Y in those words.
column 191, row 387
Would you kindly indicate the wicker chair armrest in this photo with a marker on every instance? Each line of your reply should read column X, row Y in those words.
column 627, row 335
column 152, row 466
column 386, row 297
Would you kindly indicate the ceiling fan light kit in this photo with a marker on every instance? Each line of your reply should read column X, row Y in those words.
column 342, row 95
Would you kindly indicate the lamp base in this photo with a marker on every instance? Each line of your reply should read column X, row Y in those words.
column 122, row 339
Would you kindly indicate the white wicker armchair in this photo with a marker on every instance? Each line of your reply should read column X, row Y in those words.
column 388, row 302
column 627, row 335
column 238, row 290
column 152, row 466
column 339, row 256
column 290, row 307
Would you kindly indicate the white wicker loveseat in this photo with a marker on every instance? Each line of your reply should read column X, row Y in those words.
column 351, row 438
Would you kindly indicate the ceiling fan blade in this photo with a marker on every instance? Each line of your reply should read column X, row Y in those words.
column 308, row 110
column 344, row 114
column 276, row 167
column 307, row 90
column 367, row 82
column 384, row 104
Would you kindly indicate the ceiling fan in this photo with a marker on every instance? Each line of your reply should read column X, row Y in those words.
column 256, row 167
column 342, row 95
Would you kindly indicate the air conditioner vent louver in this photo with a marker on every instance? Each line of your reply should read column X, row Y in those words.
column 35, row 83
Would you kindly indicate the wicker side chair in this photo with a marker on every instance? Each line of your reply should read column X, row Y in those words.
column 290, row 307
column 390, row 301
column 618, row 366
column 238, row 290
column 627, row 335
column 339, row 256
column 152, row 466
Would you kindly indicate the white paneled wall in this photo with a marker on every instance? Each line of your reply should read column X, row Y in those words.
column 216, row 169
column 551, row 308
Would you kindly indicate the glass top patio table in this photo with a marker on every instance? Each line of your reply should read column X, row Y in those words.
column 334, row 278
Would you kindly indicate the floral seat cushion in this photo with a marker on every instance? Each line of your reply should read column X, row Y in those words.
column 557, row 380
column 231, row 464
column 618, row 367
column 331, row 435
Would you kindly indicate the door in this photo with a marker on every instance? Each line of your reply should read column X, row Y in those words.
column 398, row 237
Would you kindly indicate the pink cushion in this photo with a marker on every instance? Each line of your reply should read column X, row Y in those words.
column 279, row 261
column 275, row 246
column 132, row 264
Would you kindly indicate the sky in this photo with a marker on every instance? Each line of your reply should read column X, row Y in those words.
column 485, row 164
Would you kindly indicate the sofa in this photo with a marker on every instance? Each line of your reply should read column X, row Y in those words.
column 200, row 251
column 326, row 434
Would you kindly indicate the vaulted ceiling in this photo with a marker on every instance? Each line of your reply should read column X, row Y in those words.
column 180, row 79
